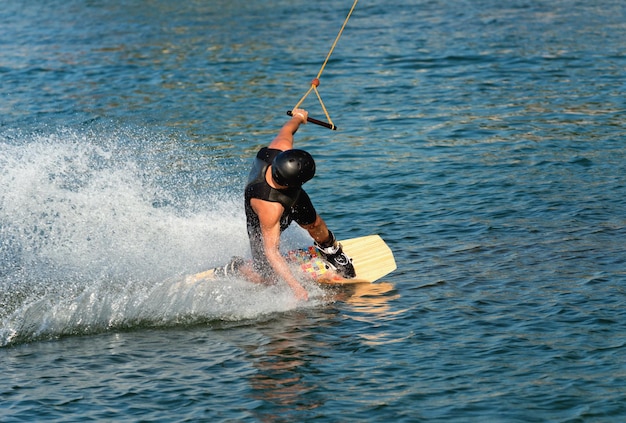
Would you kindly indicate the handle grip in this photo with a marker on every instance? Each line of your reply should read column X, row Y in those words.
column 317, row 122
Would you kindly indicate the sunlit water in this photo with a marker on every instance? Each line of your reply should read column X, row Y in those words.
column 482, row 140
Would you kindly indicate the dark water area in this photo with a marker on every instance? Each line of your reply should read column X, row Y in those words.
column 483, row 140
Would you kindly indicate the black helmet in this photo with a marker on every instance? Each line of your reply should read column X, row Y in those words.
column 292, row 168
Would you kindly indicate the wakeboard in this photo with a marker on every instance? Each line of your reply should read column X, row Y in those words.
column 371, row 257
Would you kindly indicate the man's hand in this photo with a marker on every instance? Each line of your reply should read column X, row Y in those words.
column 300, row 292
column 301, row 114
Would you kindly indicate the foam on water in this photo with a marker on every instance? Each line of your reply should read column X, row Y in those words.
column 93, row 231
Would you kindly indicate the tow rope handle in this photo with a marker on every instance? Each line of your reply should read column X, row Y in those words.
column 317, row 122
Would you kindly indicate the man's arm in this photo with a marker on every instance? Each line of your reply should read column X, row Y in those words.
column 269, row 216
column 284, row 139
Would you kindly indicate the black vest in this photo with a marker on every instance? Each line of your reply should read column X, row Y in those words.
column 258, row 187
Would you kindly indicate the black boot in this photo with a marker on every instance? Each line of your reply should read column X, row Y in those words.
column 332, row 252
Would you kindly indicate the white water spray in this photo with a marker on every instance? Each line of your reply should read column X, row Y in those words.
column 92, row 231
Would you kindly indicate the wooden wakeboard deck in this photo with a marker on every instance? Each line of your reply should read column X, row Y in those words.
column 371, row 257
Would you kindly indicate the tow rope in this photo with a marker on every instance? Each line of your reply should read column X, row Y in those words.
column 316, row 81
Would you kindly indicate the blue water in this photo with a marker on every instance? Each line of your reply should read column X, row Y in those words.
column 483, row 140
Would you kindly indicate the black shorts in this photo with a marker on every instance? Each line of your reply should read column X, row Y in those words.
column 303, row 212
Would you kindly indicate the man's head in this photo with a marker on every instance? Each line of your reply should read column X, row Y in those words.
column 292, row 168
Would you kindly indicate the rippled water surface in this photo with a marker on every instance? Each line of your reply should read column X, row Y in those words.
column 483, row 140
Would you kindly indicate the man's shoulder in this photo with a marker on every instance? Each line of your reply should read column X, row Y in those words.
column 267, row 211
column 267, row 154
